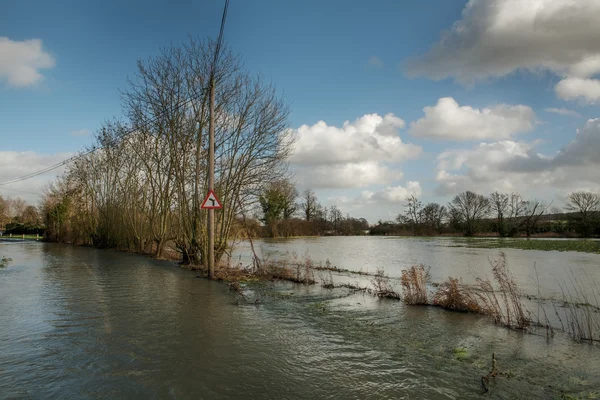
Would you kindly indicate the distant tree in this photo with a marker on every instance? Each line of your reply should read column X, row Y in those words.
column 532, row 213
column 413, row 213
column 16, row 206
column 517, row 210
column 289, row 195
column 335, row 216
column 309, row 205
column 470, row 208
column 30, row 216
column 4, row 219
column 272, row 205
column 499, row 204
column 433, row 216
column 586, row 206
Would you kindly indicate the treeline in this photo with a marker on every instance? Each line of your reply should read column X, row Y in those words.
column 140, row 186
column 285, row 213
column 17, row 217
column 501, row 214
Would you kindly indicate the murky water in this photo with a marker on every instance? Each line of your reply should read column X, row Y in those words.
column 87, row 324
column 532, row 269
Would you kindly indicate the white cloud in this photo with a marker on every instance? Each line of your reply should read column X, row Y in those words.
column 563, row 111
column 447, row 120
column 20, row 61
column 495, row 38
column 350, row 175
column 394, row 194
column 366, row 151
column 376, row 61
column 81, row 132
column 14, row 164
column 509, row 165
column 587, row 90
column 380, row 204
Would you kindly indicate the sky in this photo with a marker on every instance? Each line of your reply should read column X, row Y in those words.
column 388, row 98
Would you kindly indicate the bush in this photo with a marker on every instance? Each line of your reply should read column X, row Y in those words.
column 452, row 295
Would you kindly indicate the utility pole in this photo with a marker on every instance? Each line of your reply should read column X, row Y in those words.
column 211, row 148
column 211, row 177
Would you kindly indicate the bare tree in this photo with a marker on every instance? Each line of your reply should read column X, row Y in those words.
column 143, row 190
column 413, row 213
column 30, row 216
column 533, row 211
column 470, row 208
column 335, row 216
column 309, row 205
column 499, row 204
column 434, row 216
column 586, row 206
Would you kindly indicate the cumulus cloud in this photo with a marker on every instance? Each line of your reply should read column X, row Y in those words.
column 380, row 203
column 563, row 111
column 495, row 38
column 14, row 164
column 350, row 175
column 21, row 61
column 394, row 194
column 447, row 120
column 508, row 165
column 573, row 88
column 81, row 132
column 376, row 61
column 366, row 151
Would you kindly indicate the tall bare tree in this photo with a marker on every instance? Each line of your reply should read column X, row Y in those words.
column 470, row 208
column 309, row 205
column 499, row 204
column 586, row 206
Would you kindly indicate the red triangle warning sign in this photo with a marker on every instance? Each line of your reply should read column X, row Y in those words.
column 211, row 201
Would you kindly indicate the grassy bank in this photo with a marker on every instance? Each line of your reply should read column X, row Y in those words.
column 580, row 245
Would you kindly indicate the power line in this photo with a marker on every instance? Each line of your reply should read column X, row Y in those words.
column 132, row 130
column 94, row 149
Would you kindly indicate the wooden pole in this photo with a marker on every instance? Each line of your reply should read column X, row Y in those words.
column 211, row 178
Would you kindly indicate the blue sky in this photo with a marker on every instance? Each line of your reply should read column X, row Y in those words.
column 334, row 63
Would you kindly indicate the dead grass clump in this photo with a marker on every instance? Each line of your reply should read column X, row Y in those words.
column 382, row 286
column 580, row 311
column 453, row 295
column 414, row 285
column 501, row 299
column 326, row 279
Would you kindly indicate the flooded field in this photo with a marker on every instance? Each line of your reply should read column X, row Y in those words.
column 89, row 324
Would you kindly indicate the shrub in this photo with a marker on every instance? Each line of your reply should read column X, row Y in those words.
column 414, row 284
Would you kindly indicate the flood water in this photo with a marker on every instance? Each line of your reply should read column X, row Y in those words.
column 82, row 323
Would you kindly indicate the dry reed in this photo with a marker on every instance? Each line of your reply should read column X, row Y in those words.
column 414, row 285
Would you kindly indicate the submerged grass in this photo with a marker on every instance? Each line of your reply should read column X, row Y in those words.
column 579, row 245
column 4, row 262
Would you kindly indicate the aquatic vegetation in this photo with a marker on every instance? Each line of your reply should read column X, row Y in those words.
column 4, row 261
column 460, row 353
column 584, row 246
column 333, row 268
column 382, row 287
column 414, row 285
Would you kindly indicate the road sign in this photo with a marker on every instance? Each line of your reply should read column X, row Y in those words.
column 211, row 201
